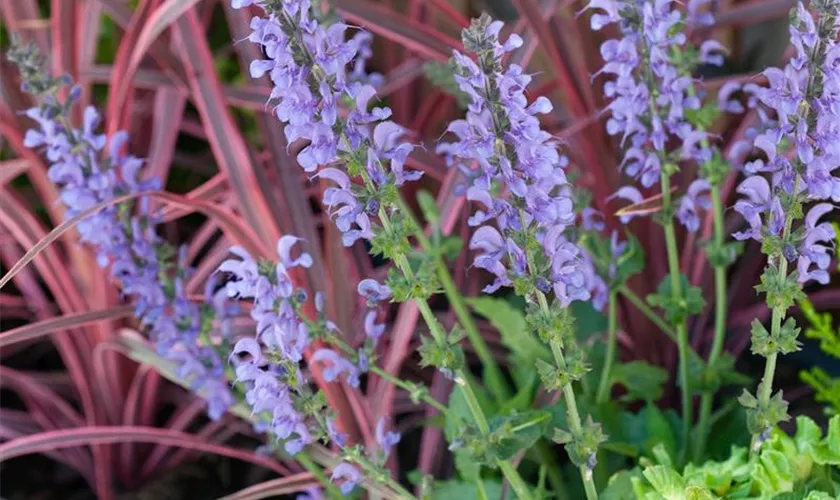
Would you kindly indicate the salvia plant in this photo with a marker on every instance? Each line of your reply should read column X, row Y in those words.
column 551, row 260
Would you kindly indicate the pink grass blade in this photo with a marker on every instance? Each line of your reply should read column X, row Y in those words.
column 238, row 232
column 386, row 22
column 157, row 22
column 275, row 487
column 36, row 330
column 93, row 435
column 228, row 146
column 23, row 17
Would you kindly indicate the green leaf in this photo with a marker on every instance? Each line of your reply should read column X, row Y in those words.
column 666, row 481
column 643, row 381
column 524, row 397
column 620, row 486
column 588, row 320
column 828, row 451
column 678, row 310
column 510, row 434
column 428, row 206
column 659, row 430
column 774, row 473
column 510, row 322
column 462, row 490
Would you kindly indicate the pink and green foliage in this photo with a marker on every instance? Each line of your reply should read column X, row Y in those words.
column 275, row 240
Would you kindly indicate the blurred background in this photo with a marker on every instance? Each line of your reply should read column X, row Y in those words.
column 73, row 386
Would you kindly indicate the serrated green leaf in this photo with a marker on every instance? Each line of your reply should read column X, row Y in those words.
column 774, row 474
column 666, row 481
column 510, row 322
column 513, row 433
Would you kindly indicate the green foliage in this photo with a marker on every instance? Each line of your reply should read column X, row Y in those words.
column 784, row 342
column 760, row 415
column 820, row 327
column 799, row 467
column 513, row 328
column 617, row 269
column 643, row 381
column 444, row 354
column 677, row 311
column 582, row 445
column 782, row 291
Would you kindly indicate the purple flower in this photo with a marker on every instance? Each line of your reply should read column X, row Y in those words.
column 695, row 197
column 315, row 67
column 87, row 174
column 725, row 101
column 386, row 439
column 631, row 194
column 347, row 477
column 337, row 366
column 756, row 189
column 373, row 292
column 311, row 493
column 372, row 329
column 336, row 436
column 814, row 251
column 513, row 150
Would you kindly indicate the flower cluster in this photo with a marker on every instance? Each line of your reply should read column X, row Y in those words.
column 652, row 95
column 501, row 135
column 91, row 170
column 804, row 99
column 272, row 382
column 269, row 365
column 315, row 69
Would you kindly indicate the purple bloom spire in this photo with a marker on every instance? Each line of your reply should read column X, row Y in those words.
column 798, row 146
column 502, row 137
column 315, row 67
column 652, row 95
column 90, row 169
column 272, row 383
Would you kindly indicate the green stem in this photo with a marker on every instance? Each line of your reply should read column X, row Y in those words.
column 574, row 422
column 497, row 382
column 306, row 461
column 604, row 385
column 464, row 382
column 766, row 386
column 707, row 398
column 508, row 470
column 676, row 293
column 645, row 309
column 571, row 407
column 482, row 492
column 402, row 384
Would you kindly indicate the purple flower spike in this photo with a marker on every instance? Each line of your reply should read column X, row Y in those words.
column 90, row 169
column 315, row 67
column 515, row 152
